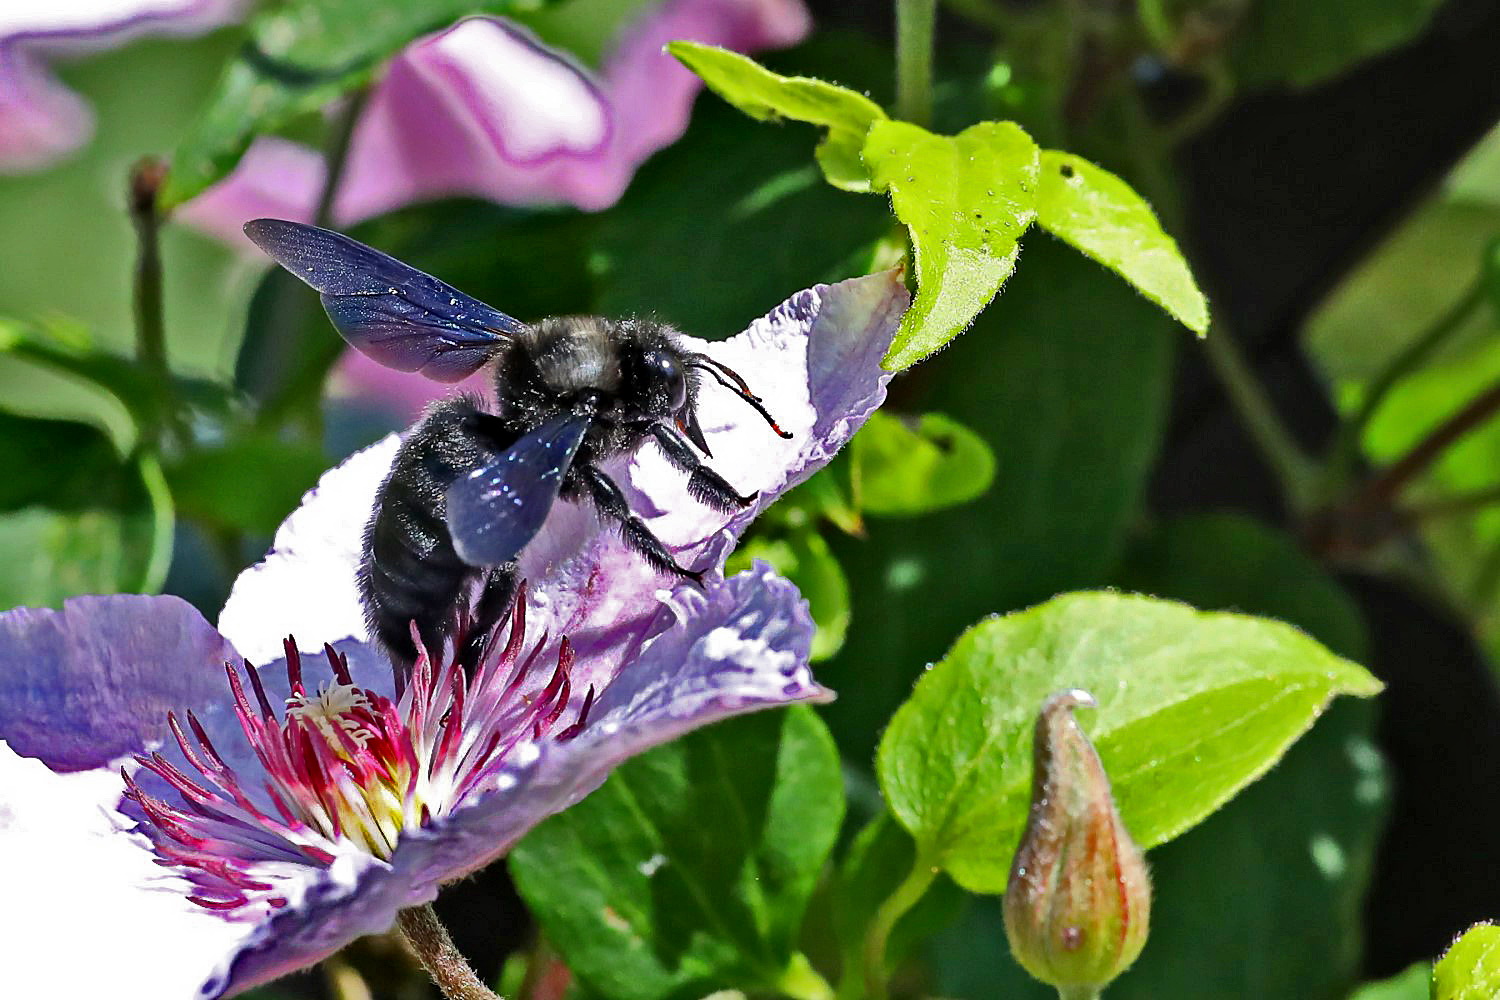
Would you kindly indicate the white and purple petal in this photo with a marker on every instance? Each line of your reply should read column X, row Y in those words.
column 93, row 682
column 80, row 690
column 40, row 119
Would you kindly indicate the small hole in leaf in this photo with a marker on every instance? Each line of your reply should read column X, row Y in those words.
column 1066, row 170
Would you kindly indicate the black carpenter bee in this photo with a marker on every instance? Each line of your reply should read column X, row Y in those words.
column 470, row 488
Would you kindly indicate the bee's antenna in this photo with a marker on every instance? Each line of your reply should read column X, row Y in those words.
column 707, row 363
column 722, row 374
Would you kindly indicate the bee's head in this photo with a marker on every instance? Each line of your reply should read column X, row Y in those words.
column 667, row 380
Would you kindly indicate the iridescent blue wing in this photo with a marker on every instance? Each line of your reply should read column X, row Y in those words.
column 500, row 506
column 403, row 318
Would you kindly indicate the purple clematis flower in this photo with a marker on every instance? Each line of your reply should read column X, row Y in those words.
column 485, row 109
column 40, row 119
column 267, row 817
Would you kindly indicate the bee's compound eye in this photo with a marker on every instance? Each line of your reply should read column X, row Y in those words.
column 664, row 370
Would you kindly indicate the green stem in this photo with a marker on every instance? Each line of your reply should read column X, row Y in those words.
column 1473, row 415
column 878, row 935
column 336, row 155
column 1078, row 993
column 146, row 179
column 1346, row 444
column 442, row 960
column 1293, row 469
column 801, row 981
column 915, row 20
column 289, row 307
column 1456, row 503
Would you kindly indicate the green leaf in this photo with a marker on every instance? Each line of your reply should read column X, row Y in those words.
column 770, row 235
column 1291, row 41
column 802, row 556
column 302, row 55
column 1490, row 270
column 1459, row 544
column 120, row 544
column 1470, row 970
column 53, row 462
column 71, row 351
column 647, row 901
column 768, row 96
column 210, row 485
column 1284, row 866
column 903, row 467
column 1413, row 984
column 825, row 495
column 1193, row 706
column 1072, row 469
column 966, row 200
column 1102, row 216
column 878, row 860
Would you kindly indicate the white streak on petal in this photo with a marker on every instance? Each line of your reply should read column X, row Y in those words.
column 87, row 907
column 535, row 103
column 305, row 586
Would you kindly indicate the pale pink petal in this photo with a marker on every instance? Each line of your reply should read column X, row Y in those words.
column 276, row 178
column 482, row 109
column 40, row 119
column 652, row 93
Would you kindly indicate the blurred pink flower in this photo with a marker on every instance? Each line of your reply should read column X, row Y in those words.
column 484, row 109
column 40, row 119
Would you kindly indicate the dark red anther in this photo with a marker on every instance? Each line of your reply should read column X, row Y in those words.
column 266, row 710
column 203, row 741
column 183, row 744
column 339, row 663
column 582, row 720
column 517, row 625
column 293, row 665
column 523, row 669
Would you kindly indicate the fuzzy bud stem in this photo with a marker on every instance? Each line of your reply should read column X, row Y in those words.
column 442, row 960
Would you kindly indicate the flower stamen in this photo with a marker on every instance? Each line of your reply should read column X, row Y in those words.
column 344, row 767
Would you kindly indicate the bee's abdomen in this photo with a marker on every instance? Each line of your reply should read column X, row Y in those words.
column 410, row 572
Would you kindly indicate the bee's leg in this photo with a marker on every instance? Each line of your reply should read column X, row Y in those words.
column 704, row 484
column 492, row 606
column 610, row 503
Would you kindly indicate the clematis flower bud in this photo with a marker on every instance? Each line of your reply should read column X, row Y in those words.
column 1078, row 903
